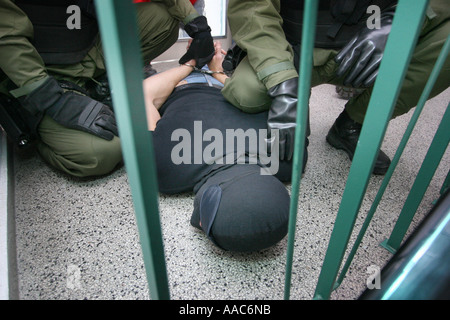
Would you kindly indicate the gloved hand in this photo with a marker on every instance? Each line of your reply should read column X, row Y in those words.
column 283, row 115
column 362, row 55
column 71, row 110
column 202, row 46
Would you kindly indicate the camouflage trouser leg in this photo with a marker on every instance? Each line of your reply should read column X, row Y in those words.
column 72, row 151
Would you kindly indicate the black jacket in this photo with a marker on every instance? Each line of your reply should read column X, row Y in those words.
column 53, row 39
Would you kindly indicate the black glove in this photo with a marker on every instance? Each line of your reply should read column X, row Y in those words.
column 362, row 55
column 71, row 110
column 283, row 115
column 202, row 45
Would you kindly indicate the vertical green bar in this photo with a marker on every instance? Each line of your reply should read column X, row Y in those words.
column 423, row 99
column 423, row 179
column 446, row 183
column 306, row 62
column 400, row 46
column 118, row 29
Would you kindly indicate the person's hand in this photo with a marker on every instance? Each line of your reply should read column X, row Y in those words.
column 201, row 48
column 72, row 110
column 360, row 59
column 216, row 62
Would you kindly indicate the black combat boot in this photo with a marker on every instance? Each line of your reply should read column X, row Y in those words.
column 344, row 135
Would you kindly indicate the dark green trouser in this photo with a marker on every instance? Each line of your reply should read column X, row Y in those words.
column 245, row 91
column 75, row 152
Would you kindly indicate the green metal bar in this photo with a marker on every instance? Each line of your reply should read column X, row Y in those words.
column 405, row 30
column 304, row 88
column 420, row 269
column 117, row 19
column 423, row 179
column 423, row 98
column 446, row 183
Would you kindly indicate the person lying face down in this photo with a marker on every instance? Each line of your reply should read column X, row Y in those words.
column 204, row 144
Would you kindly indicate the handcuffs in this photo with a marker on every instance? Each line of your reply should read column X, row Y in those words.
column 205, row 71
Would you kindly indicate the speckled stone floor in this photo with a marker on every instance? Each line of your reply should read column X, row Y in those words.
column 79, row 239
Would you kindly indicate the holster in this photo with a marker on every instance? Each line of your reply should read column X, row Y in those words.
column 20, row 126
column 234, row 55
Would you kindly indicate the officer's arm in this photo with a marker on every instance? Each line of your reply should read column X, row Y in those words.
column 19, row 59
column 256, row 27
column 181, row 10
column 196, row 26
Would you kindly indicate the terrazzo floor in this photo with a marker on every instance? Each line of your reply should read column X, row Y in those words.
column 79, row 240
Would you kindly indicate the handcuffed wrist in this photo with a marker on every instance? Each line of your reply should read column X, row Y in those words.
column 206, row 71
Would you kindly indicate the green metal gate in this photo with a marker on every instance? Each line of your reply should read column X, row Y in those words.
column 119, row 31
